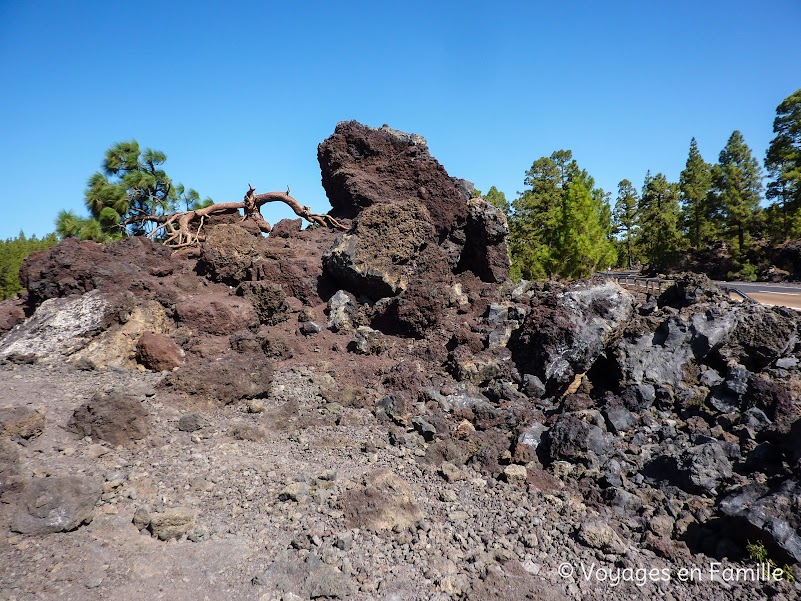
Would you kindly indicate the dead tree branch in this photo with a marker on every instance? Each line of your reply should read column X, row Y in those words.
column 183, row 228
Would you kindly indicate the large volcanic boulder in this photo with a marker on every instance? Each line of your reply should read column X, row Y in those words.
column 567, row 330
column 75, row 267
column 378, row 257
column 362, row 166
column 404, row 203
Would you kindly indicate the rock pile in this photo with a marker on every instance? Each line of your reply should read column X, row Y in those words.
column 669, row 427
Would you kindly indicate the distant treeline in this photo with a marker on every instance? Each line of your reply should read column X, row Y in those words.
column 562, row 225
column 12, row 252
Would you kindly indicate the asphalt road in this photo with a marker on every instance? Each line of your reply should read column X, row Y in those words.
column 786, row 295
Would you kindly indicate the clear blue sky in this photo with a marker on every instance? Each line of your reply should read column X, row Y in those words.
column 242, row 92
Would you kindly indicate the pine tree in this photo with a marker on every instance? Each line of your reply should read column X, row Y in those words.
column 561, row 225
column 737, row 180
column 535, row 220
column 132, row 184
column 584, row 244
column 695, row 183
column 783, row 163
column 626, row 218
column 659, row 221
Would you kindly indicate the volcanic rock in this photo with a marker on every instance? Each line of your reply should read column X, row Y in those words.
column 379, row 256
column 383, row 502
column 55, row 504
column 158, row 352
column 268, row 299
column 231, row 378
column 116, row 417
column 564, row 335
column 12, row 313
column 77, row 267
column 362, row 166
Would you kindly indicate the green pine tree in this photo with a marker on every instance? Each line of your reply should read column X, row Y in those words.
column 626, row 219
column 695, row 184
column 737, row 181
column 132, row 184
column 783, row 163
column 560, row 225
column 658, row 210
column 584, row 244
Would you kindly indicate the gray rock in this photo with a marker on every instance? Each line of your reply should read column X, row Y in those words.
column 564, row 335
column 618, row 418
column 773, row 514
column 55, row 504
column 704, row 467
column 787, row 363
column 174, row 523
column 572, row 439
column 341, row 312
column 533, row 386
column 597, row 534
column 395, row 407
column 425, row 429
column 192, row 422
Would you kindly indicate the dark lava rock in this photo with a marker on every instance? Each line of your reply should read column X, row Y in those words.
column 231, row 378
column 564, row 335
column 362, row 166
column 770, row 515
column 55, row 504
column 762, row 335
column 379, row 255
column 76, row 267
column 571, row 439
column 689, row 289
column 485, row 252
column 700, row 469
column 192, row 422
column 116, row 417
column 158, row 352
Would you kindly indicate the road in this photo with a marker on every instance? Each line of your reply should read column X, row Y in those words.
column 786, row 295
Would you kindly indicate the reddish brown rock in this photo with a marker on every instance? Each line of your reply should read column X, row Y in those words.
column 362, row 166
column 217, row 314
column 231, row 378
column 12, row 313
column 76, row 267
column 116, row 417
column 287, row 228
column 158, row 352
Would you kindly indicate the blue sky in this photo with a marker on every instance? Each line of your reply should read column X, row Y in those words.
column 242, row 92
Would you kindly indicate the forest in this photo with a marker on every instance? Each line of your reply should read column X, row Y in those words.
column 729, row 219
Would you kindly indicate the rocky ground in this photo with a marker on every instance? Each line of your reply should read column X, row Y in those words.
column 381, row 414
column 275, row 500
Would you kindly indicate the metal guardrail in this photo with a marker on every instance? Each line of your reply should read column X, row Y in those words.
column 644, row 285
column 638, row 283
